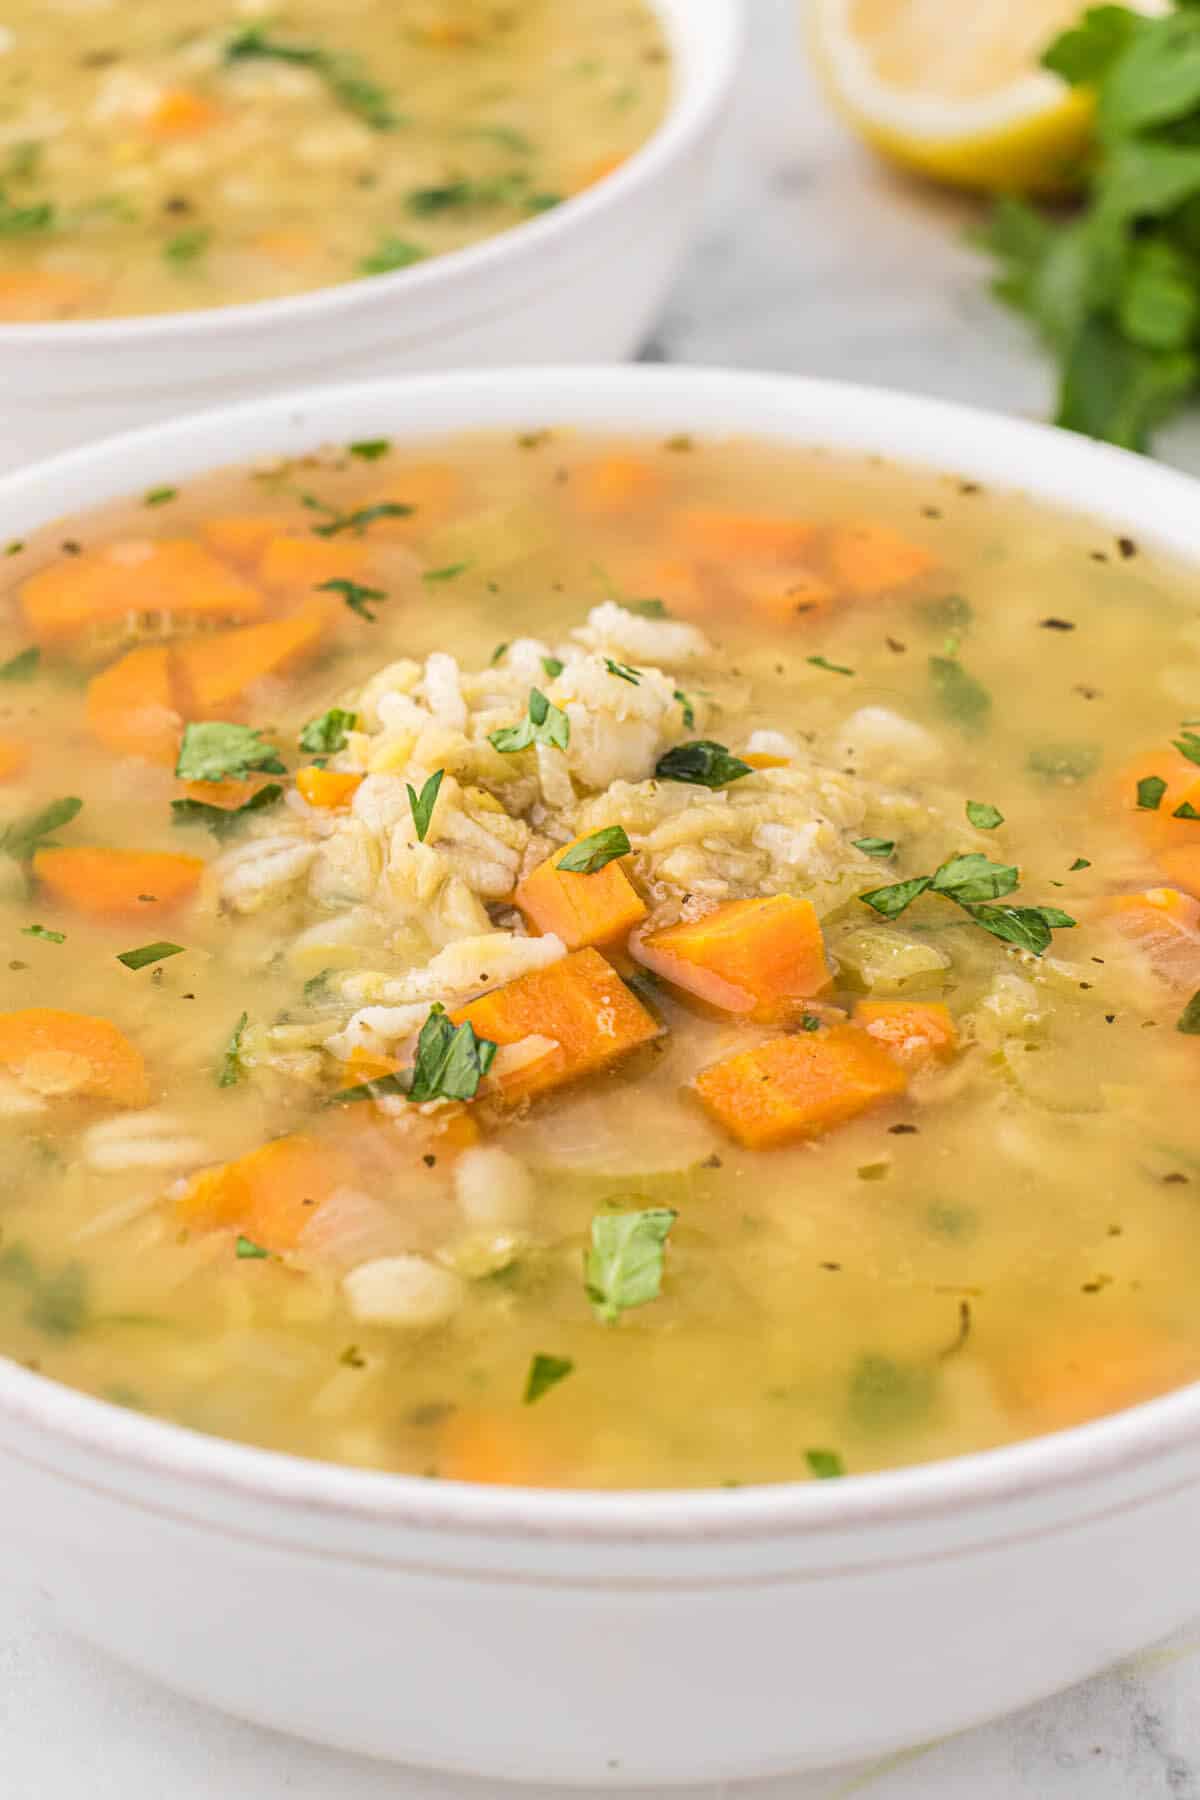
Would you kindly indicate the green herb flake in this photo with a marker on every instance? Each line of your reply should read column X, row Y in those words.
column 1028, row 927
column 542, row 724
column 1189, row 746
column 365, row 99
column 421, row 805
column 149, row 953
column 1081, row 862
column 22, row 667
column 450, row 572
column 959, row 696
column 545, row 1372
column 223, row 821
column 187, row 247
column 824, row 1465
column 1186, row 811
column 689, row 711
column 1189, row 1019
column 497, row 655
column 370, row 449
column 379, row 1089
column 451, row 1060
column 24, row 221
column 552, row 667
column 875, row 846
column 22, row 837
column 595, row 851
column 1064, row 763
column 43, row 932
column 246, row 1250
column 326, row 735
column 623, row 672
column 230, row 1071
column 624, row 1266
column 217, row 751
column 648, row 608
column 809, row 1022
column 983, row 816
column 389, row 255
column 702, row 763
column 358, row 598
column 890, row 902
column 822, row 662
column 358, row 520
column 972, row 878
column 1150, row 792
column 159, row 496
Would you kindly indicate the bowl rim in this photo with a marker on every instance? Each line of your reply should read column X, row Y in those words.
column 703, row 83
column 1121, row 492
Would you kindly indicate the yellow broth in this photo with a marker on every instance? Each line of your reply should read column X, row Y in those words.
column 155, row 159
column 1008, row 1246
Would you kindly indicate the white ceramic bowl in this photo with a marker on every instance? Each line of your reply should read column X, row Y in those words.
column 582, row 283
column 608, row 1637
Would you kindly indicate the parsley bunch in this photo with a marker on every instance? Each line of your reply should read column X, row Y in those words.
column 1113, row 286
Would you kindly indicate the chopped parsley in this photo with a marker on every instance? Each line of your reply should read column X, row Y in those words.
column 217, row 751
column 230, row 1071
column 357, row 597
column 983, row 816
column 972, row 881
column 379, row 1089
column 159, row 496
column 1189, row 1019
column 362, row 516
column 22, row 837
column 702, row 763
column 1186, row 811
column 43, row 932
column 224, row 820
column 365, row 99
column 595, row 851
column 552, row 666
column 390, row 254
column 451, row 1060
column 246, row 1250
column 624, row 1266
column 824, row 1465
column 875, row 846
column 421, row 805
column 542, row 724
column 545, row 1372
column 1188, row 745
column 23, row 666
column 370, row 449
column 623, row 672
column 149, row 953
column 327, row 734
column 187, row 247
column 1064, row 762
column 832, row 668
column 890, row 902
column 497, row 654
column 1150, row 791
column 1081, row 862
column 450, row 572
column 24, row 221
column 648, row 608
column 689, row 711
column 959, row 696
column 809, row 1022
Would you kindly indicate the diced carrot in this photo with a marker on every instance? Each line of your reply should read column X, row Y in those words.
column 181, row 112
column 270, row 1194
column 1069, row 1379
column 431, row 489
column 487, row 1448
column 600, row 909
column 914, row 1032
column 615, row 484
column 360, row 1066
column 327, row 787
column 130, row 706
column 580, row 1004
column 229, row 795
column 215, row 673
column 1165, row 925
column 600, row 170
column 456, row 1129
column 789, row 599
column 751, row 956
column 30, row 295
column 867, row 560
column 117, row 883
column 243, row 537
column 1182, row 866
column 758, row 759
column 14, row 757
column 741, row 537
column 167, row 581
column 67, row 1053
column 291, row 564
column 797, row 1087
column 1156, row 826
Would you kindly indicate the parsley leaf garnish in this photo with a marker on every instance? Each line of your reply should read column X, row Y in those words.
column 689, row 711
column 702, row 763
column 246, row 1250
column 42, row 931
column 1189, row 745
column 1081, row 862
column 875, row 846
column 451, row 1060
column 230, row 1071
column 623, row 672
column 390, row 254
column 222, row 821
column 357, row 597
column 1189, row 1019
column 358, row 521
column 421, row 805
column 1028, row 927
column 378, row 1089
column 159, row 496
column 545, row 1372
column 450, row 572
column 960, row 697
column 370, row 449
column 552, row 666
column 1185, row 811
column 21, row 837
column 351, row 89
column 542, row 724
column 1150, row 791
column 823, row 662
column 648, row 608
column 970, row 881
column 595, row 851
column 23, row 666
column 149, row 953
column 890, row 902
column 216, row 751
column 983, row 816
column 971, row 878
column 624, row 1267
column 327, row 734
column 825, row 1465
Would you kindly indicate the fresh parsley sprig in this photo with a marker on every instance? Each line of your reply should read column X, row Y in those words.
column 973, row 882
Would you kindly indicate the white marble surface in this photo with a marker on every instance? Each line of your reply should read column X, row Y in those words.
column 813, row 259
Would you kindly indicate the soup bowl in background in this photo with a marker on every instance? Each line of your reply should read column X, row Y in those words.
column 608, row 1637
column 581, row 283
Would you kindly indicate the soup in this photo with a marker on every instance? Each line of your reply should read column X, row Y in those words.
column 597, row 963
column 185, row 155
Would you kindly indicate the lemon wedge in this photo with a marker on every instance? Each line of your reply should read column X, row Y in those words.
column 953, row 88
